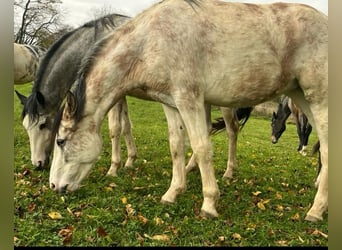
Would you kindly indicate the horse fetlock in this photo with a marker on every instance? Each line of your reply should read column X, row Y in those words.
column 208, row 209
column 113, row 170
column 129, row 162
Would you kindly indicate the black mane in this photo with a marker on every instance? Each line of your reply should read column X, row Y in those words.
column 31, row 107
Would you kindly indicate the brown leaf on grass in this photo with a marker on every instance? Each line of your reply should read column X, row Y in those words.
column 142, row 219
column 31, row 207
column 295, row 217
column 67, row 234
column 140, row 239
column 101, row 232
column 317, row 232
column 196, row 209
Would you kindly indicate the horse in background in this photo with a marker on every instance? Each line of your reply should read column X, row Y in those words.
column 26, row 60
column 198, row 52
column 285, row 108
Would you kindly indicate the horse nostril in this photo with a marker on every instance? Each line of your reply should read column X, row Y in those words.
column 52, row 186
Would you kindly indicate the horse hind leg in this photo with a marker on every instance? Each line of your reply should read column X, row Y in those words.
column 232, row 127
column 127, row 133
column 317, row 113
column 119, row 123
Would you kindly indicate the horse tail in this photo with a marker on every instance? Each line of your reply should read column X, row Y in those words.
column 218, row 126
column 241, row 114
column 315, row 149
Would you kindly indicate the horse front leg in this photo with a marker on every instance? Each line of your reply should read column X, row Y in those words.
column 177, row 148
column 194, row 117
column 232, row 127
column 114, row 125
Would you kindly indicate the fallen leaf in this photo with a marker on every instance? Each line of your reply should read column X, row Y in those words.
column 236, row 236
column 158, row 221
column 31, row 207
column 162, row 237
column 55, row 215
column 256, row 193
column 282, row 242
column 279, row 196
column 261, row 205
column 130, row 211
column 280, row 208
column 295, row 217
column 124, row 200
column 142, row 219
column 317, row 232
column 108, row 189
column 101, row 232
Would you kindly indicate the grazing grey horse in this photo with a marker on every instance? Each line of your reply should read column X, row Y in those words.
column 188, row 54
column 26, row 60
column 58, row 72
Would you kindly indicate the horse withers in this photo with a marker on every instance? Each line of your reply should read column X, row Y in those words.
column 286, row 107
column 199, row 52
column 26, row 60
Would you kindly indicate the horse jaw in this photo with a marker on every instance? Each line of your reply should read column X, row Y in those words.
column 40, row 141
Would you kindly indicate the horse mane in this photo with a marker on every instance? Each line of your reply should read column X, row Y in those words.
column 283, row 107
column 80, row 86
column 100, row 23
column 31, row 106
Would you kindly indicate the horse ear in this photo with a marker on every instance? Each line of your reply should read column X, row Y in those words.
column 70, row 106
column 21, row 97
column 40, row 98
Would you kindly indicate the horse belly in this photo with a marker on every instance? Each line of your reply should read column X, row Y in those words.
column 247, row 86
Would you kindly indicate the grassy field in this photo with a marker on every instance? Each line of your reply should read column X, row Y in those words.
column 264, row 205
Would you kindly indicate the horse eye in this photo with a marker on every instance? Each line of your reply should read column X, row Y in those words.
column 42, row 126
column 60, row 142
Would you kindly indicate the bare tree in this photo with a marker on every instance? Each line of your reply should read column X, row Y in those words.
column 35, row 20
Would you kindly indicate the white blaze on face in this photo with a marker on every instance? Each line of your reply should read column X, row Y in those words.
column 75, row 152
column 40, row 139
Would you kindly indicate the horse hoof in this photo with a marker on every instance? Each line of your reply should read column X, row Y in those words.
column 166, row 202
column 208, row 215
column 313, row 218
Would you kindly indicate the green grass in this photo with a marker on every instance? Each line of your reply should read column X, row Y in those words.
column 126, row 210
